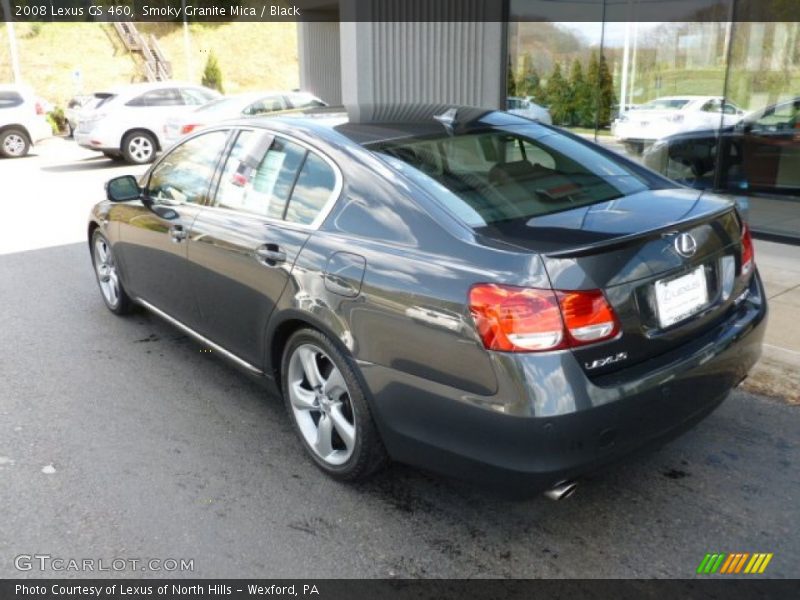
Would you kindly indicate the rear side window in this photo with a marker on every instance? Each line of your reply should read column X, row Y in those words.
column 304, row 101
column 314, row 187
column 162, row 97
column 499, row 175
column 289, row 183
column 10, row 99
column 264, row 106
column 265, row 189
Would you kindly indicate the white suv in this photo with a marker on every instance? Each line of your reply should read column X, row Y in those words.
column 128, row 121
column 23, row 122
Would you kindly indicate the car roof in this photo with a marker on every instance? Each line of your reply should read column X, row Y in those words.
column 369, row 124
column 138, row 88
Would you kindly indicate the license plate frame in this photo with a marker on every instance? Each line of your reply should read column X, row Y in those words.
column 680, row 298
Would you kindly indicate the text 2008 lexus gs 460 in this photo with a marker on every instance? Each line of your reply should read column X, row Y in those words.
column 459, row 289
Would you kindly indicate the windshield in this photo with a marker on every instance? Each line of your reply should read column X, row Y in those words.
column 665, row 104
column 487, row 177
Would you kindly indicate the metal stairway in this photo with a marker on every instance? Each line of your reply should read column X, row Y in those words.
column 156, row 66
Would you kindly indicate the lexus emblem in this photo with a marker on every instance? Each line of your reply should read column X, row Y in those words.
column 685, row 245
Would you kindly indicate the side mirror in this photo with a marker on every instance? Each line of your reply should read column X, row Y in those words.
column 123, row 189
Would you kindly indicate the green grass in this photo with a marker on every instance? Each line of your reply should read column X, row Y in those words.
column 251, row 55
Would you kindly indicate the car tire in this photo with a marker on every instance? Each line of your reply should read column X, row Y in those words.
column 634, row 148
column 107, row 274
column 14, row 143
column 328, row 408
column 139, row 147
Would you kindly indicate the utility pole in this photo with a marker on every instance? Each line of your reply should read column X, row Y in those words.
column 12, row 41
column 187, row 44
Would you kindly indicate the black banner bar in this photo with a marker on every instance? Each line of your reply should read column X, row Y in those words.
column 398, row 10
column 698, row 589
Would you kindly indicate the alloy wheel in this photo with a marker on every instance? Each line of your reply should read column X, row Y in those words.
column 106, row 272
column 321, row 405
column 14, row 144
column 140, row 148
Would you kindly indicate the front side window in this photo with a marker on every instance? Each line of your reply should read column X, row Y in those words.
column 195, row 96
column 665, row 104
column 498, row 175
column 184, row 175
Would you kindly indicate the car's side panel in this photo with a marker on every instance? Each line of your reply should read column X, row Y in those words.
column 235, row 288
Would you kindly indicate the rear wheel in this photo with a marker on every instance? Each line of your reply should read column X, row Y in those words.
column 328, row 408
column 139, row 147
column 14, row 143
column 105, row 268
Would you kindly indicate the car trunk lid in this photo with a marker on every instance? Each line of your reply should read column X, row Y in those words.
column 668, row 262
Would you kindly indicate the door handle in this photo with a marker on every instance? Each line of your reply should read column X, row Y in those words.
column 177, row 233
column 270, row 254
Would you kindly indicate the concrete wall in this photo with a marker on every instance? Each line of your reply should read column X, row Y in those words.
column 385, row 57
column 319, row 57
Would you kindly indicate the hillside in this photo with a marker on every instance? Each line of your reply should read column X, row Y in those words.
column 251, row 55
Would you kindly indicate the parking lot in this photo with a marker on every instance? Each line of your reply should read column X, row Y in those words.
column 122, row 438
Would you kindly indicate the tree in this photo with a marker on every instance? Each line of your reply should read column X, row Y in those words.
column 581, row 113
column 557, row 95
column 528, row 81
column 511, row 81
column 601, row 82
column 606, row 94
column 212, row 74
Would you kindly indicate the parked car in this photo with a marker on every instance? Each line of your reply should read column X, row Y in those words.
column 242, row 105
column 464, row 290
column 760, row 153
column 23, row 120
column 128, row 121
column 670, row 115
column 75, row 106
column 526, row 107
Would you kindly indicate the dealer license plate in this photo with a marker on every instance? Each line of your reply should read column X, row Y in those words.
column 680, row 298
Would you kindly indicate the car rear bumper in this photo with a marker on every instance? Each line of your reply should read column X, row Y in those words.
column 549, row 422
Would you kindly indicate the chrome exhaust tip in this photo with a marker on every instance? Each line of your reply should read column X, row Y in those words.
column 562, row 490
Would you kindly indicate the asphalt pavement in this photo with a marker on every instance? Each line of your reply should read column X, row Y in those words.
column 122, row 438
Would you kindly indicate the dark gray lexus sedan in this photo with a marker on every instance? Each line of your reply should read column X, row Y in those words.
column 459, row 289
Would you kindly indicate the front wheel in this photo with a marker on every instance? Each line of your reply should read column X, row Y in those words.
column 14, row 143
column 328, row 408
column 105, row 269
column 139, row 148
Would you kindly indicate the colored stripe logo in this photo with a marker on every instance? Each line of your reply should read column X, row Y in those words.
column 734, row 563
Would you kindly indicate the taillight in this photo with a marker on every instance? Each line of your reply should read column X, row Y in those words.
column 748, row 252
column 515, row 319
column 39, row 108
column 188, row 129
column 587, row 316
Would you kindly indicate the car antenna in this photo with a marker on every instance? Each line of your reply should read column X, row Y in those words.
column 448, row 119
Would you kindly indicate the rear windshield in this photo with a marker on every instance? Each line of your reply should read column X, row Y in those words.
column 103, row 98
column 494, row 176
column 10, row 99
